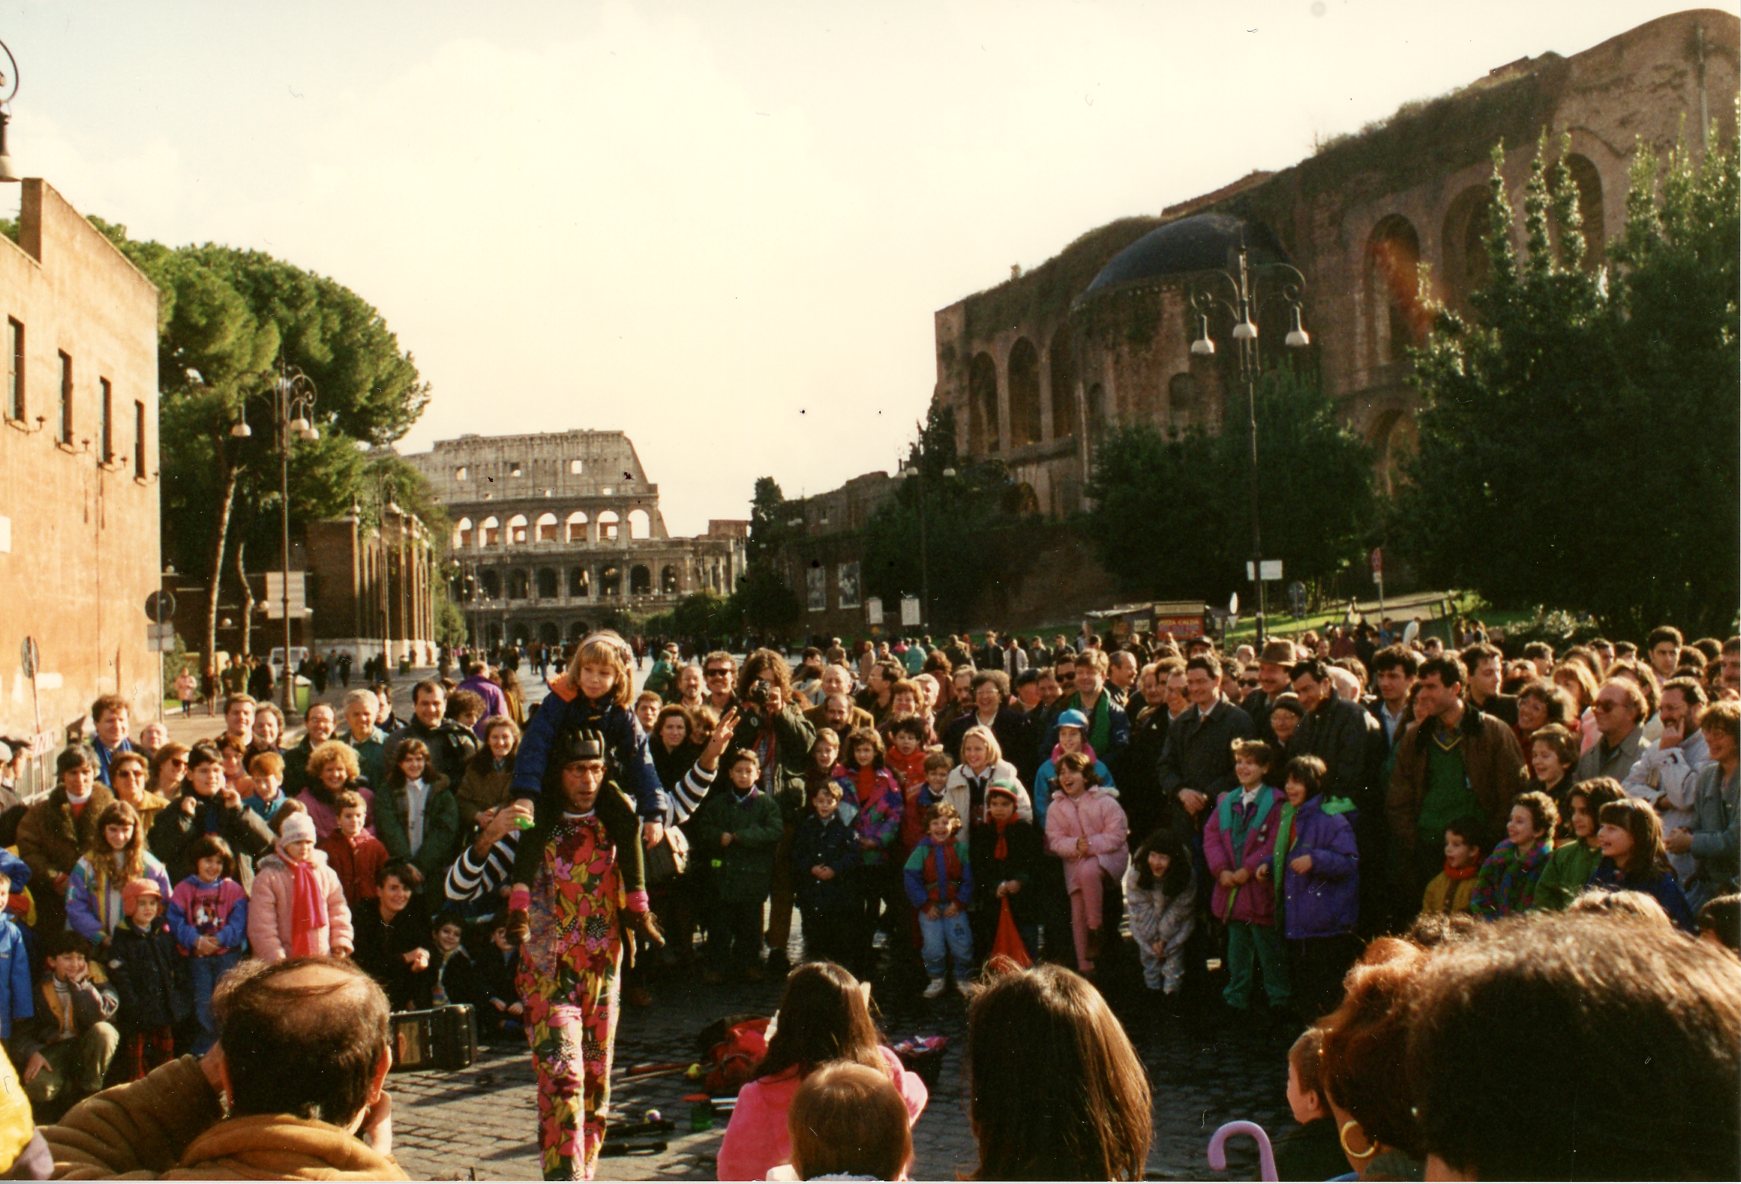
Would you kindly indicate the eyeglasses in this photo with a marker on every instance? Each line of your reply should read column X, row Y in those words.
column 719, row 674
column 1248, row 683
column 1604, row 705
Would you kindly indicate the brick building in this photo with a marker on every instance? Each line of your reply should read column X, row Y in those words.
column 555, row 533
column 78, row 454
column 1036, row 369
column 372, row 586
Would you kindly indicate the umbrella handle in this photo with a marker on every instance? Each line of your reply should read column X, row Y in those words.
column 1266, row 1156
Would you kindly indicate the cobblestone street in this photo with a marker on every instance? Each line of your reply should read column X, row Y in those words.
column 480, row 1123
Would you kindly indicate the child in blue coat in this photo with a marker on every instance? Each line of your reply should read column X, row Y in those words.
column 17, row 1001
column 939, row 882
column 1317, row 873
column 824, row 856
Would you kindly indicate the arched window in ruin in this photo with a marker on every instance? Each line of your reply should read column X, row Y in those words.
column 982, row 404
column 1024, row 372
column 579, row 583
column 1463, row 241
column 640, row 580
column 640, row 524
column 547, row 583
column 490, row 532
column 1185, row 408
column 549, row 634
column 519, row 586
column 668, row 583
column 1392, row 436
column 462, row 533
column 1022, row 500
column 608, row 526
column 1062, row 365
column 546, row 528
column 611, row 582
column 492, row 634
column 575, row 527
column 1393, row 256
column 490, row 584
column 517, row 530
column 1590, row 208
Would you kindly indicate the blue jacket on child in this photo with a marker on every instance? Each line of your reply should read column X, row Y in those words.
column 830, row 844
column 1325, row 901
column 17, row 994
column 625, row 745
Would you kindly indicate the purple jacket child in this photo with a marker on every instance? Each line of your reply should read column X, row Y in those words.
column 1253, row 902
column 1325, row 901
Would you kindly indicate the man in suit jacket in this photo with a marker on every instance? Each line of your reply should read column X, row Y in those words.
column 1197, row 762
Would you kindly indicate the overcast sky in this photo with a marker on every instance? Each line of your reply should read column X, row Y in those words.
column 720, row 227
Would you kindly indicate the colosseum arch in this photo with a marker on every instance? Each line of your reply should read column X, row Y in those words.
column 545, row 531
column 519, row 585
column 577, row 630
column 575, row 527
column 1463, row 245
column 640, row 524
column 1392, row 436
column 610, row 583
column 517, row 530
column 462, row 533
column 640, row 580
column 579, row 583
column 546, row 583
column 1061, row 364
column 490, row 532
column 668, row 580
column 982, row 404
column 609, row 526
column 549, row 633
column 1024, row 379
column 1590, row 208
column 1393, row 256
column 490, row 583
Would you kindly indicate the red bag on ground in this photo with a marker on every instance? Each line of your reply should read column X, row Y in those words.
column 1008, row 942
column 735, row 1058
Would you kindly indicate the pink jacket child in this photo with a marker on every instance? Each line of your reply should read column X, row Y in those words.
column 757, row 1139
column 1253, row 902
column 1095, row 818
column 297, row 905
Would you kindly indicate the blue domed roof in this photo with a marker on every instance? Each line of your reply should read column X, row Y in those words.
column 1201, row 242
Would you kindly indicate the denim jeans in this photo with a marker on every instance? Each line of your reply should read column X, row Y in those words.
column 950, row 937
column 204, row 974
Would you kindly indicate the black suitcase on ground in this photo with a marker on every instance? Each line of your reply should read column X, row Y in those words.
column 439, row 1038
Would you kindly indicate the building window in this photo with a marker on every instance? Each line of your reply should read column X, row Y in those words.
column 514, row 469
column 66, row 398
column 139, row 439
column 574, row 468
column 14, row 369
column 460, row 474
column 106, row 426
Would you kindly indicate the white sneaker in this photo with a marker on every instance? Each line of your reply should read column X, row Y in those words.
column 934, row 988
column 965, row 987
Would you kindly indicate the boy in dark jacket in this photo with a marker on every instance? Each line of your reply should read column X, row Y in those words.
column 64, row 1052
column 824, row 854
column 1006, row 859
column 736, row 832
column 147, row 976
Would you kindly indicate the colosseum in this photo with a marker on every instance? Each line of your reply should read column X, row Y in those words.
column 1036, row 369
column 558, row 533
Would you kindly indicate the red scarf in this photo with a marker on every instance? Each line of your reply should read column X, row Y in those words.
column 1002, row 849
column 1455, row 874
column 307, row 908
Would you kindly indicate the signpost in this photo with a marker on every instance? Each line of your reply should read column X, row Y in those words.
column 873, row 612
column 160, row 635
column 909, row 612
column 1378, row 577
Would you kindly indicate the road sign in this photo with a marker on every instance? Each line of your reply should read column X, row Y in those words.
column 160, row 606
column 873, row 610
column 1377, row 558
column 909, row 611
column 29, row 657
column 160, row 638
column 275, row 595
column 1272, row 569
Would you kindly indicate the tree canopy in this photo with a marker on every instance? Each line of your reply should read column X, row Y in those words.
column 1577, row 436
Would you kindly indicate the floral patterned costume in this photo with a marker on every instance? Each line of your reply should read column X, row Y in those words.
column 568, row 980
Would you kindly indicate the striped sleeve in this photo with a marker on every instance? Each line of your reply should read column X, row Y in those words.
column 472, row 878
column 686, row 797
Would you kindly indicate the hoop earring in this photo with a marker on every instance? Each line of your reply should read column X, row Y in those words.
column 1342, row 1137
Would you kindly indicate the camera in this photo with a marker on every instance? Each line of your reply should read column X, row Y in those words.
column 753, row 708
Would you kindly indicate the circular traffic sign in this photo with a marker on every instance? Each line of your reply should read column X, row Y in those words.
column 29, row 657
column 160, row 606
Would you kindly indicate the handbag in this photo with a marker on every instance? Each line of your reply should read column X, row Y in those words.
column 669, row 859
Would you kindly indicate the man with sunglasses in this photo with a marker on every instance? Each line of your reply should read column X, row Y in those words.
column 719, row 673
column 1620, row 709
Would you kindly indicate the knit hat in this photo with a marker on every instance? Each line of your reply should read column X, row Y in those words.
column 1278, row 653
column 296, row 826
column 1001, row 787
column 137, row 887
column 1073, row 719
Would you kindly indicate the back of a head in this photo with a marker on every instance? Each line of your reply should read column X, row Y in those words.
column 301, row 1037
column 1361, row 1057
column 1091, row 1117
column 1638, row 1028
column 849, row 1120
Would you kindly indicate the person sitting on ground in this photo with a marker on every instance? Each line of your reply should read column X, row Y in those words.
column 824, row 1016
column 303, row 1064
column 1093, row 1120
column 1630, row 1010
column 847, row 1121
column 67, row 1047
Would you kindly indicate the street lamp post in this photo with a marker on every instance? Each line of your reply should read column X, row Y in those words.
column 1242, row 286
column 908, row 472
column 292, row 399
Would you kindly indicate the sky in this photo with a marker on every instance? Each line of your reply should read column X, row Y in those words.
column 721, row 228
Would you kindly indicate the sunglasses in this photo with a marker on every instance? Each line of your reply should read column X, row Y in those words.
column 719, row 674
column 1248, row 683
